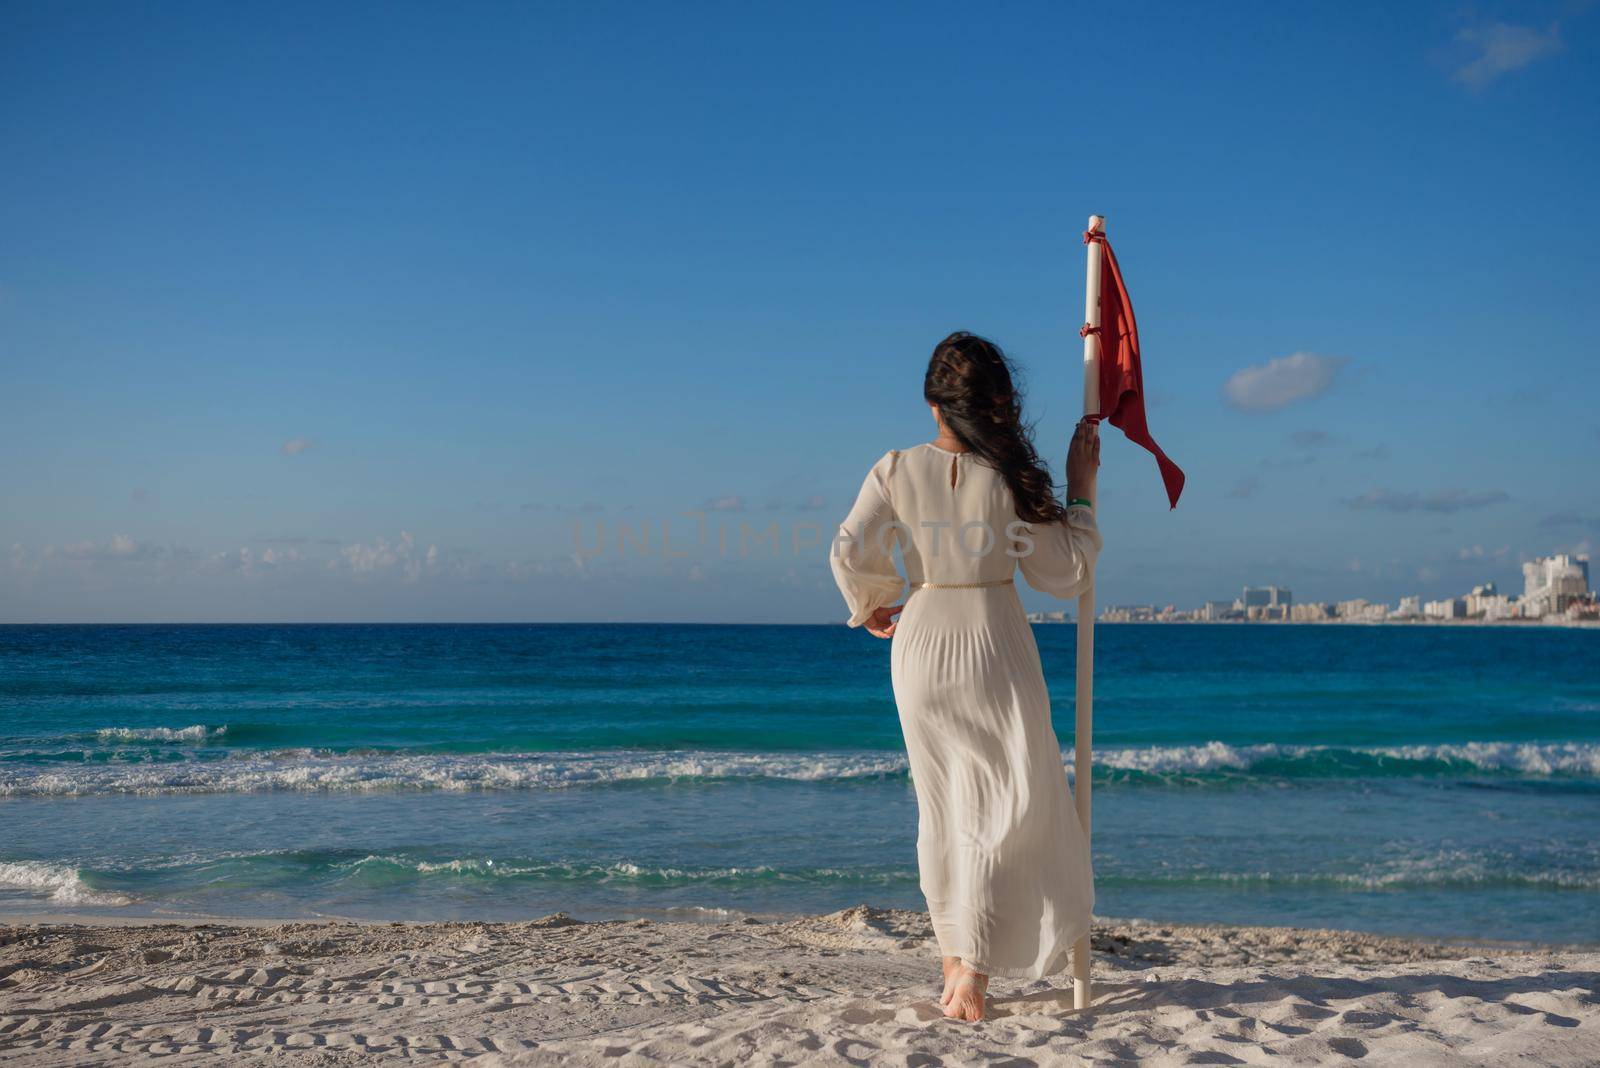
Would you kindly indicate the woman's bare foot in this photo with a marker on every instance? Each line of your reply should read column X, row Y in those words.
column 967, row 995
column 951, row 966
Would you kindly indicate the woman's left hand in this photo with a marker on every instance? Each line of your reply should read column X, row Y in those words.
column 881, row 623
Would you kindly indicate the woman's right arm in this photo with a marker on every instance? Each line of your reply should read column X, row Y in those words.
column 863, row 551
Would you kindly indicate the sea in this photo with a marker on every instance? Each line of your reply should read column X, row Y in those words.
column 1439, row 781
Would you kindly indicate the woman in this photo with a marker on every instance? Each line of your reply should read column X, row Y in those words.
column 1004, row 862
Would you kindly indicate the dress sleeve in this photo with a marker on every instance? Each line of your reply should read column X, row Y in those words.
column 1062, row 556
column 863, row 550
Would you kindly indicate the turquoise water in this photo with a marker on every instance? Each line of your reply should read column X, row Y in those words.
column 1427, row 780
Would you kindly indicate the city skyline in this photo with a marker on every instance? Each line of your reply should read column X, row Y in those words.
column 1555, row 590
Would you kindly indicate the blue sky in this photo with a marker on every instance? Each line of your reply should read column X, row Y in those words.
column 353, row 312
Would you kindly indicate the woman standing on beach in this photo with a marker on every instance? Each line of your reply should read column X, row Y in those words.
column 1004, row 862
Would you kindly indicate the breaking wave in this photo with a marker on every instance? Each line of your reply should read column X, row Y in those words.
column 60, row 883
column 1322, row 761
column 302, row 770
column 306, row 770
column 199, row 732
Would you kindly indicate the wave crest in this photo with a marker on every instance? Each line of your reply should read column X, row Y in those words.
column 303, row 770
column 1527, row 758
column 60, row 883
column 197, row 732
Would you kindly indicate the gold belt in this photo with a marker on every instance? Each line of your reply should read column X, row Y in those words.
column 961, row 585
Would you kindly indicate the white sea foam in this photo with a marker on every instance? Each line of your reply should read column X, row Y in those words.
column 310, row 771
column 62, row 884
column 1529, row 758
column 301, row 770
column 1212, row 756
column 623, row 871
column 198, row 732
column 1562, row 758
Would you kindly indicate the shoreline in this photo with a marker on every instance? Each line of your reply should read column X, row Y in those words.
column 859, row 984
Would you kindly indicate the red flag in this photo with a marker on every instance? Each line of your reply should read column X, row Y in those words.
column 1121, row 378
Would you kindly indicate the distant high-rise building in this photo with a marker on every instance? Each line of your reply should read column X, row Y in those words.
column 1363, row 609
column 1266, row 597
column 1550, row 583
column 1486, row 602
column 1491, row 607
column 1449, row 608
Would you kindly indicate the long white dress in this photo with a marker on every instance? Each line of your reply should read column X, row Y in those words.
column 1003, row 859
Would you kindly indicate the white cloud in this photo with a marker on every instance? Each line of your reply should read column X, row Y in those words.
column 226, row 561
column 402, row 558
column 122, row 556
column 118, row 552
column 1280, row 382
column 1446, row 501
column 731, row 503
column 120, row 547
column 1500, row 48
column 296, row 446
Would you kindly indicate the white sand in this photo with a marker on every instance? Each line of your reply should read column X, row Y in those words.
column 854, row 987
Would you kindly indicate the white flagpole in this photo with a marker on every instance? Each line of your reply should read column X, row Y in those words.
column 1083, row 733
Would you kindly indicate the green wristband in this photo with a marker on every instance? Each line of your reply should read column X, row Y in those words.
column 1080, row 500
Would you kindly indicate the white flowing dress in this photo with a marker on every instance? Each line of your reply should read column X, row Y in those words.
column 1004, row 862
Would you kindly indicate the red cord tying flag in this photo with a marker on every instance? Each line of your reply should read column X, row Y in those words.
column 1121, row 378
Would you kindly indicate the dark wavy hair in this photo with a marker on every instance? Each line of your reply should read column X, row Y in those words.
column 973, row 384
